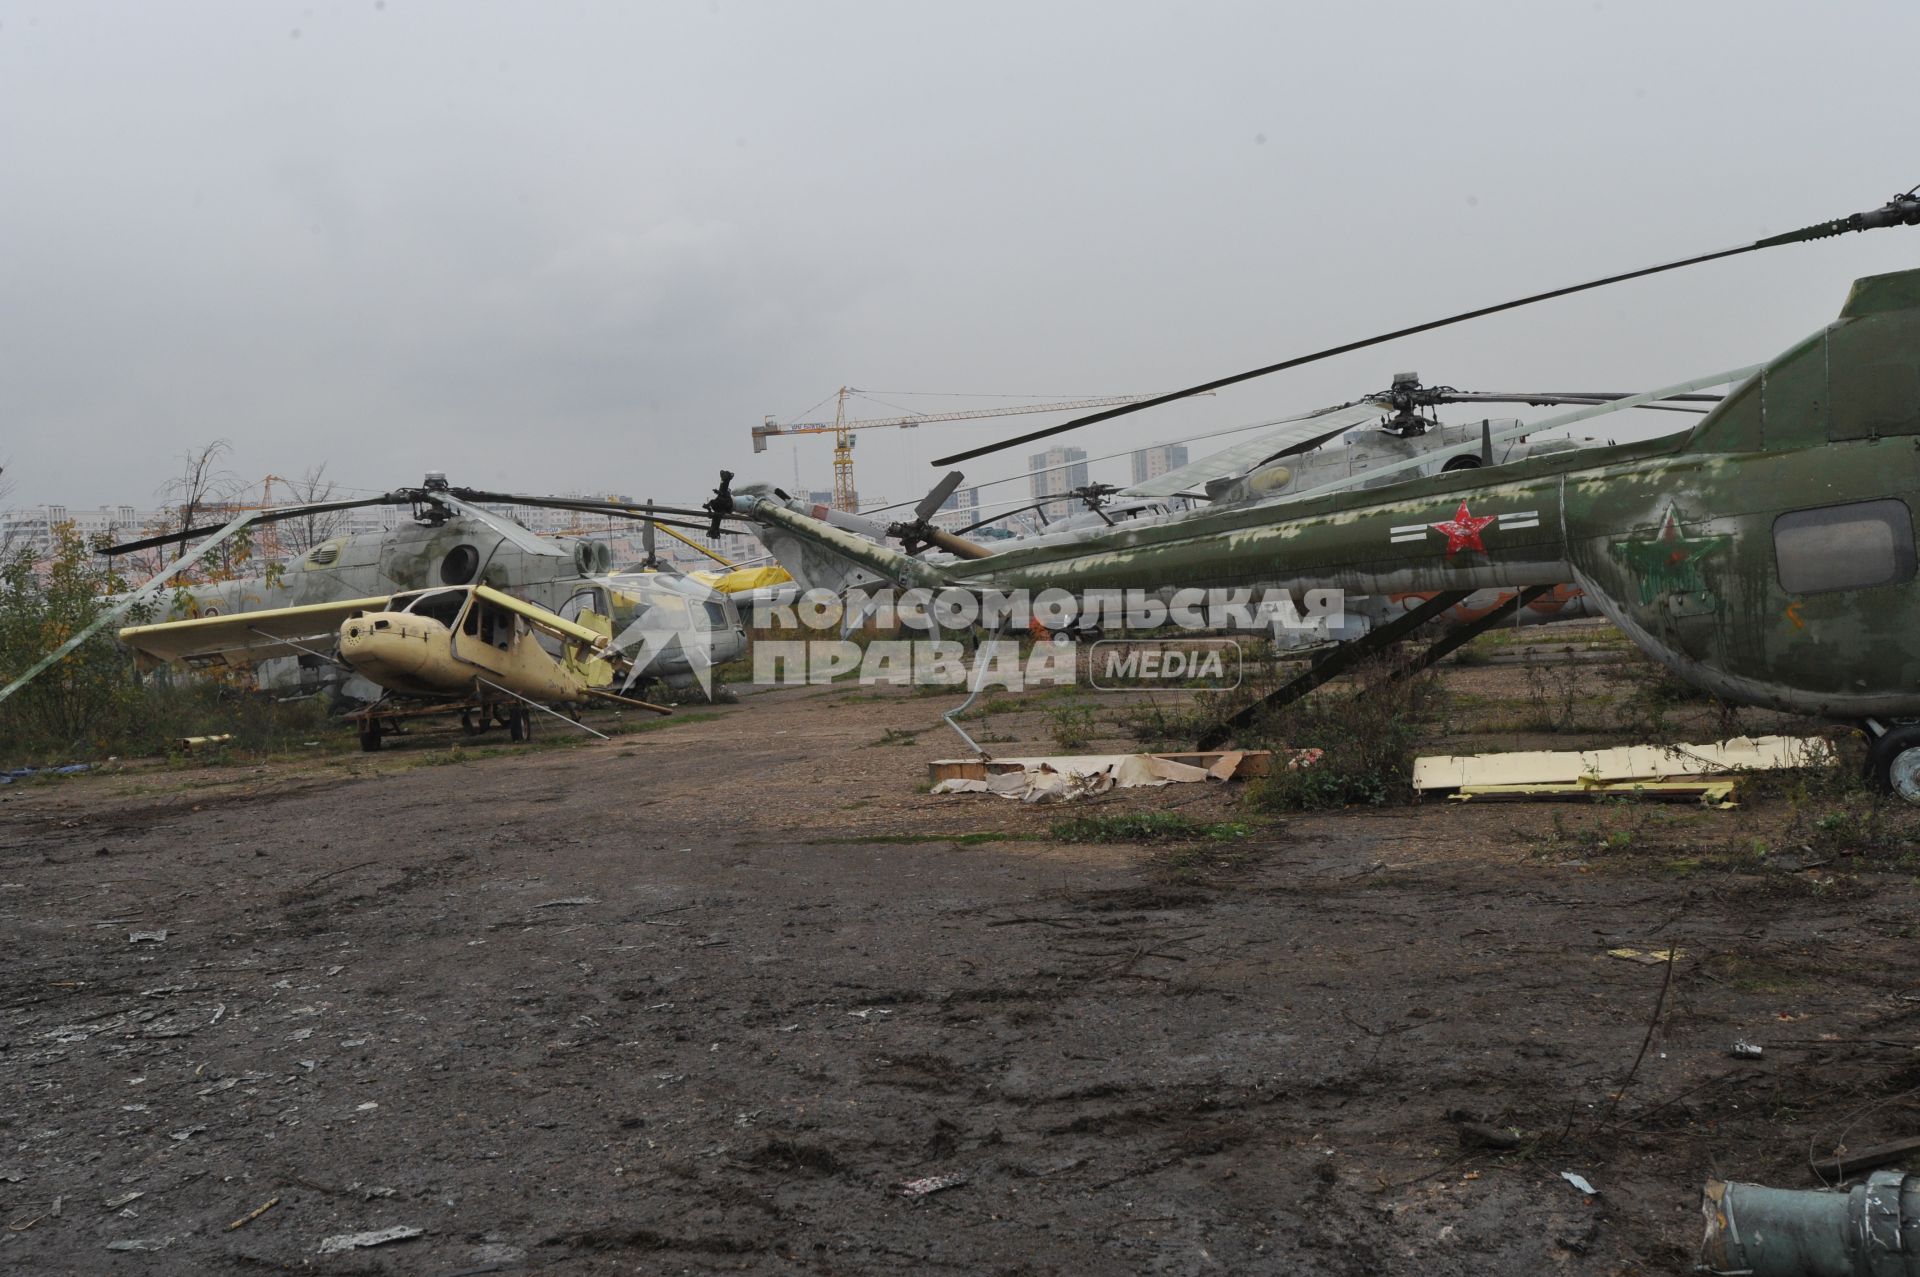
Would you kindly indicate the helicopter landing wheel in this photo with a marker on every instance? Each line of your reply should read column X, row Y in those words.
column 370, row 734
column 519, row 723
column 1893, row 763
column 474, row 726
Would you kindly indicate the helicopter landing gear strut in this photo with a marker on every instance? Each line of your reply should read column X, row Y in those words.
column 1893, row 760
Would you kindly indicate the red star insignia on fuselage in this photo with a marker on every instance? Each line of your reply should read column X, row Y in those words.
column 1463, row 529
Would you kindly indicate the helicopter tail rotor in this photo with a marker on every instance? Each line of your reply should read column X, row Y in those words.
column 915, row 535
column 721, row 505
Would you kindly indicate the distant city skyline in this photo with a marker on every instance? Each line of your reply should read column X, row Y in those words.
column 1151, row 463
column 1056, row 472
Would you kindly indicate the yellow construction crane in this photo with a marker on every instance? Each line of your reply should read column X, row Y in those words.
column 842, row 428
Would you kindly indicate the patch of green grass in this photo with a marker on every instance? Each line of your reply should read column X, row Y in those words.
column 1145, row 826
column 898, row 736
column 1072, row 724
column 652, row 724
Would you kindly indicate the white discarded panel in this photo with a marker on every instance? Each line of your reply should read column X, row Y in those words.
column 1630, row 762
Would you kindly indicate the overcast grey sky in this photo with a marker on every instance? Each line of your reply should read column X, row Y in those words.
column 586, row 246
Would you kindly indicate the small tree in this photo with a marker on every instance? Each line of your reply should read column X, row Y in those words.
column 302, row 532
column 89, row 698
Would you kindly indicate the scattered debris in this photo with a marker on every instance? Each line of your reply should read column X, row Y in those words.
column 141, row 1243
column 1060, row 777
column 1844, row 1165
column 147, row 937
column 1655, row 958
column 191, row 743
column 1580, row 1183
column 357, row 1241
column 1745, row 1050
column 567, row 902
column 1486, row 1135
column 116, row 1203
column 188, row 1132
column 21, row 773
column 931, row 1184
column 254, row 1214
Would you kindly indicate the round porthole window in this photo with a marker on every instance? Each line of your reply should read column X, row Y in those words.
column 458, row 567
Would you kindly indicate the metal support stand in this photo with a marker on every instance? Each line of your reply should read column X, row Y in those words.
column 301, row 647
column 981, row 656
column 1333, row 664
column 1459, row 636
column 542, row 708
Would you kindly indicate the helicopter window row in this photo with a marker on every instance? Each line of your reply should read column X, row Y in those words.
column 1844, row 547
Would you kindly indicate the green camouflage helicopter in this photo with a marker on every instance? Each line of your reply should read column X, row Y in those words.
column 1768, row 555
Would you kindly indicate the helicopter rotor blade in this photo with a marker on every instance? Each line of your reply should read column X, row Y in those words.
column 1544, row 399
column 1008, row 514
column 931, row 503
column 588, row 505
column 264, row 516
column 507, row 528
column 1902, row 210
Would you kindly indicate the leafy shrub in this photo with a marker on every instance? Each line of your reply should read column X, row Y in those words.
column 1367, row 736
column 93, row 702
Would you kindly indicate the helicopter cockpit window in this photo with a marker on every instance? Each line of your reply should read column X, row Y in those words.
column 440, row 605
column 716, row 615
column 1844, row 547
column 496, row 625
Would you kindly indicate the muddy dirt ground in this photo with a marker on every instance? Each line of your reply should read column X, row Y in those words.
column 703, row 999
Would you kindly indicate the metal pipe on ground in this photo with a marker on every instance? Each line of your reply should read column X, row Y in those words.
column 1871, row 1230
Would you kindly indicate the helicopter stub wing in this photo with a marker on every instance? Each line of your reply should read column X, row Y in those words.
column 1295, row 435
column 240, row 637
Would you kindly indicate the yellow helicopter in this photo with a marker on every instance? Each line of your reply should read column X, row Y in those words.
column 466, row 649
